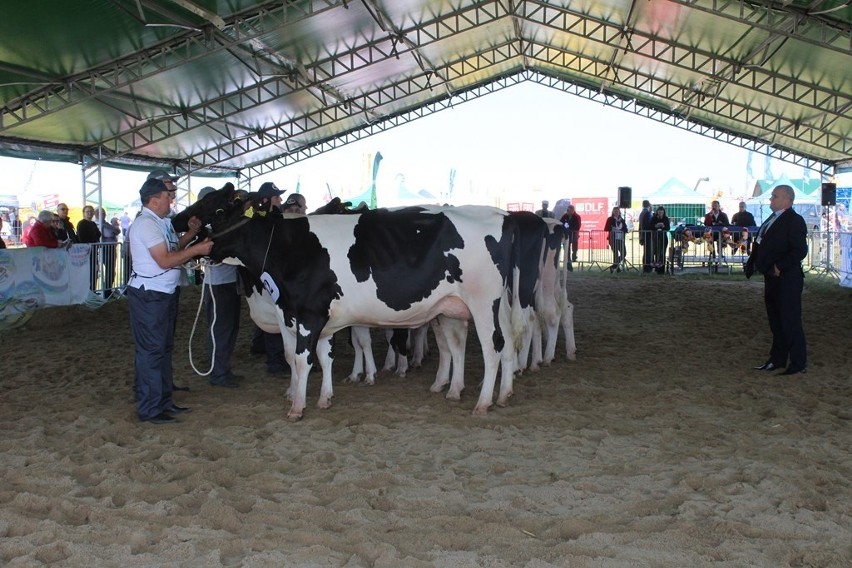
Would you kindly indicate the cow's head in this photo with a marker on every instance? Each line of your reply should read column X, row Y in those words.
column 218, row 210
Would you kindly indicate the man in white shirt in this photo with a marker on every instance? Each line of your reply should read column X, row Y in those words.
column 153, row 293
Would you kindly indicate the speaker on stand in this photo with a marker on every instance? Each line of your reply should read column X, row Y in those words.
column 829, row 200
column 829, row 194
column 624, row 197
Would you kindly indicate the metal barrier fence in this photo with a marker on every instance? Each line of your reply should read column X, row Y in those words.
column 109, row 268
column 647, row 251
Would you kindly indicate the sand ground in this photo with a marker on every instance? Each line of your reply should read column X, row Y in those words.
column 658, row 446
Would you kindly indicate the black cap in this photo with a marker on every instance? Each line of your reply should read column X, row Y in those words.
column 269, row 190
column 152, row 187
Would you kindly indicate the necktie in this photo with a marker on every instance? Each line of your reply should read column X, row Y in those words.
column 765, row 226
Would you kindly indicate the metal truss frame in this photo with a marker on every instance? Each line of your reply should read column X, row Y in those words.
column 677, row 99
column 683, row 99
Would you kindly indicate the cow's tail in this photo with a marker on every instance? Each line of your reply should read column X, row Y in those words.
column 518, row 322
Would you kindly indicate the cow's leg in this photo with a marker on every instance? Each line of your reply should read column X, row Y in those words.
column 456, row 336
column 390, row 358
column 507, row 361
column 526, row 340
column 551, row 328
column 510, row 321
column 298, row 385
column 398, row 339
column 535, row 347
column 442, row 377
column 323, row 351
column 568, row 329
column 419, row 341
column 358, row 362
column 362, row 344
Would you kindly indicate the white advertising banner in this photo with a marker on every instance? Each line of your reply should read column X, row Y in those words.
column 38, row 277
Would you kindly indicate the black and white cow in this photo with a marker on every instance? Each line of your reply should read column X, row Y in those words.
column 382, row 268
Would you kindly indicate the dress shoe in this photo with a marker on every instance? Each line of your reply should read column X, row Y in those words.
column 793, row 371
column 177, row 388
column 768, row 366
column 175, row 409
column 161, row 418
column 225, row 385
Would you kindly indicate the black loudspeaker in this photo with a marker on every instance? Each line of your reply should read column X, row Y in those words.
column 829, row 194
column 624, row 197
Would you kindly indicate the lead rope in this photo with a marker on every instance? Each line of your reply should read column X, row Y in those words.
column 266, row 254
column 206, row 282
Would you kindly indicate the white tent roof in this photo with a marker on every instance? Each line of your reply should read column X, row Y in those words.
column 675, row 191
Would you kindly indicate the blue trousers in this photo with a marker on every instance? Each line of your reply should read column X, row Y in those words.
column 153, row 317
column 226, row 329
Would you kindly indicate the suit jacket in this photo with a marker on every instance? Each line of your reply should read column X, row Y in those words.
column 784, row 244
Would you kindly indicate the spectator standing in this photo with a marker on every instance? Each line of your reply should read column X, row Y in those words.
column 544, row 212
column 16, row 229
column 616, row 229
column 41, row 233
column 222, row 303
column 2, row 242
column 777, row 253
column 717, row 218
column 109, row 238
column 88, row 232
column 841, row 217
column 660, row 226
column 743, row 217
column 124, row 223
column 572, row 222
column 66, row 230
column 25, row 231
column 645, row 236
column 153, row 296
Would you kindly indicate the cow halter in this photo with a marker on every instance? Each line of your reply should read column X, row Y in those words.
column 233, row 227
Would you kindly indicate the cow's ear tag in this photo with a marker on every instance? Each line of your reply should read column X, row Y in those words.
column 269, row 286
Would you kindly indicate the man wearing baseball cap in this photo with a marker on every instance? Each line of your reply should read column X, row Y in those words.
column 153, row 292
column 269, row 198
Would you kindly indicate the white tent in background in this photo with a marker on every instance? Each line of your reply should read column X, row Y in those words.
column 807, row 205
column 682, row 202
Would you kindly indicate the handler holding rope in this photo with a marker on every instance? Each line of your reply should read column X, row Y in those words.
column 153, row 293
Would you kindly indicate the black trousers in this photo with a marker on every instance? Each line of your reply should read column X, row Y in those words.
column 783, row 298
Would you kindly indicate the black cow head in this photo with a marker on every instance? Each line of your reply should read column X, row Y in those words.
column 218, row 210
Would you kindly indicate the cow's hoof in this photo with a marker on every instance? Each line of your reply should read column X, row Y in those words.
column 353, row 380
column 437, row 387
column 294, row 417
column 480, row 410
column 452, row 395
column 572, row 356
column 535, row 368
column 324, row 404
column 503, row 402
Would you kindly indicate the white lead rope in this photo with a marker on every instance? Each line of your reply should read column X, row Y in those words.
column 204, row 261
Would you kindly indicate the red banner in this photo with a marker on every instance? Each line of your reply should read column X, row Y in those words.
column 593, row 212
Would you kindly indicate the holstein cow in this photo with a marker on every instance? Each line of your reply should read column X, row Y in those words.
column 383, row 268
column 552, row 303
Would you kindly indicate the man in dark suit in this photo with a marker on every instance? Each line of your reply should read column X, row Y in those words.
column 777, row 253
column 645, row 236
